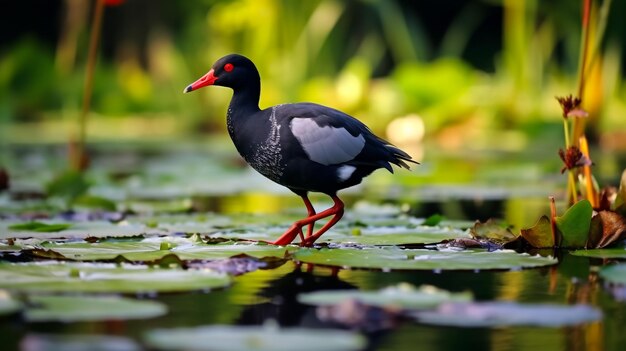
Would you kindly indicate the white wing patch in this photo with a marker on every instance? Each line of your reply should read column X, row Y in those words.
column 345, row 172
column 326, row 145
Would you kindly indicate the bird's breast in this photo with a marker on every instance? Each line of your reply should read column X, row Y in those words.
column 258, row 140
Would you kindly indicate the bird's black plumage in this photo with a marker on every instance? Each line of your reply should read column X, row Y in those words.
column 304, row 146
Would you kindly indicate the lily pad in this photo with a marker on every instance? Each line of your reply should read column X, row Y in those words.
column 395, row 235
column 90, row 308
column 77, row 342
column 40, row 227
column 420, row 259
column 80, row 230
column 153, row 249
column 615, row 252
column 615, row 274
column 497, row 314
column 218, row 338
column 83, row 277
column 402, row 295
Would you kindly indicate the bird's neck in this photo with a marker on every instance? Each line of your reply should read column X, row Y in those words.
column 245, row 99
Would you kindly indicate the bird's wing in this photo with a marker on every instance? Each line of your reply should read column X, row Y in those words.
column 326, row 144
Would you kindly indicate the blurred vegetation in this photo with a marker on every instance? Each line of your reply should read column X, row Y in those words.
column 470, row 70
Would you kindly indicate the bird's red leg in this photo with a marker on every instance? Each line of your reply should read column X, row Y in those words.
column 337, row 211
column 296, row 228
column 311, row 212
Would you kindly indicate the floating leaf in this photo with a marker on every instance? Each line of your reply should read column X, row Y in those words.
column 396, row 258
column 395, row 235
column 403, row 296
column 152, row 249
column 79, row 230
column 218, row 338
column 35, row 342
column 540, row 235
column 90, row 308
column 607, row 227
column 574, row 224
column 615, row 252
column 83, row 277
column 497, row 314
column 615, row 274
column 493, row 231
column 40, row 227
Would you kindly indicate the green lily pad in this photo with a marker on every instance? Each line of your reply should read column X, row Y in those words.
column 40, row 227
column 400, row 296
column 492, row 230
column 90, row 308
column 83, row 277
column 70, row 342
column 615, row 252
column 153, row 249
column 218, row 338
column 395, row 235
column 395, row 258
column 81, row 230
column 575, row 223
column 498, row 314
column 615, row 274
column 8, row 305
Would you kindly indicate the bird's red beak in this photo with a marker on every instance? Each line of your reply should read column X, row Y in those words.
column 205, row 80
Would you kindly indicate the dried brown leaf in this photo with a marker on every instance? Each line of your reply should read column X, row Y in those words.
column 607, row 227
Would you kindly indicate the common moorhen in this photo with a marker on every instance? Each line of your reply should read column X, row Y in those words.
column 305, row 147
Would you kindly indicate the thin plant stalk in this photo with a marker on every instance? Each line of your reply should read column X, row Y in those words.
column 590, row 189
column 571, row 184
column 79, row 158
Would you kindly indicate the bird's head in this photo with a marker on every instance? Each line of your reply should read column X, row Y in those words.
column 232, row 71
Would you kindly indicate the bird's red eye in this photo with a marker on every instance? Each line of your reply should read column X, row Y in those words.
column 228, row 67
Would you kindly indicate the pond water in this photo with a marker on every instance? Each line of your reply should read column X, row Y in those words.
column 266, row 295
column 459, row 188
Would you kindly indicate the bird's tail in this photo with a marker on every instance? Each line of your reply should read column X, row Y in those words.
column 399, row 157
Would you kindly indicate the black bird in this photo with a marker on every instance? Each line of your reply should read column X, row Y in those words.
column 305, row 147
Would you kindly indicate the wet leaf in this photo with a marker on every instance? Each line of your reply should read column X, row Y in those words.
column 39, row 342
column 492, row 230
column 402, row 296
column 83, row 277
column 395, row 258
column 615, row 274
column 395, row 235
column 80, row 230
column 615, row 252
column 497, row 314
column 540, row 234
column 218, row 338
column 574, row 224
column 40, row 227
column 90, row 308
column 606, row 228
